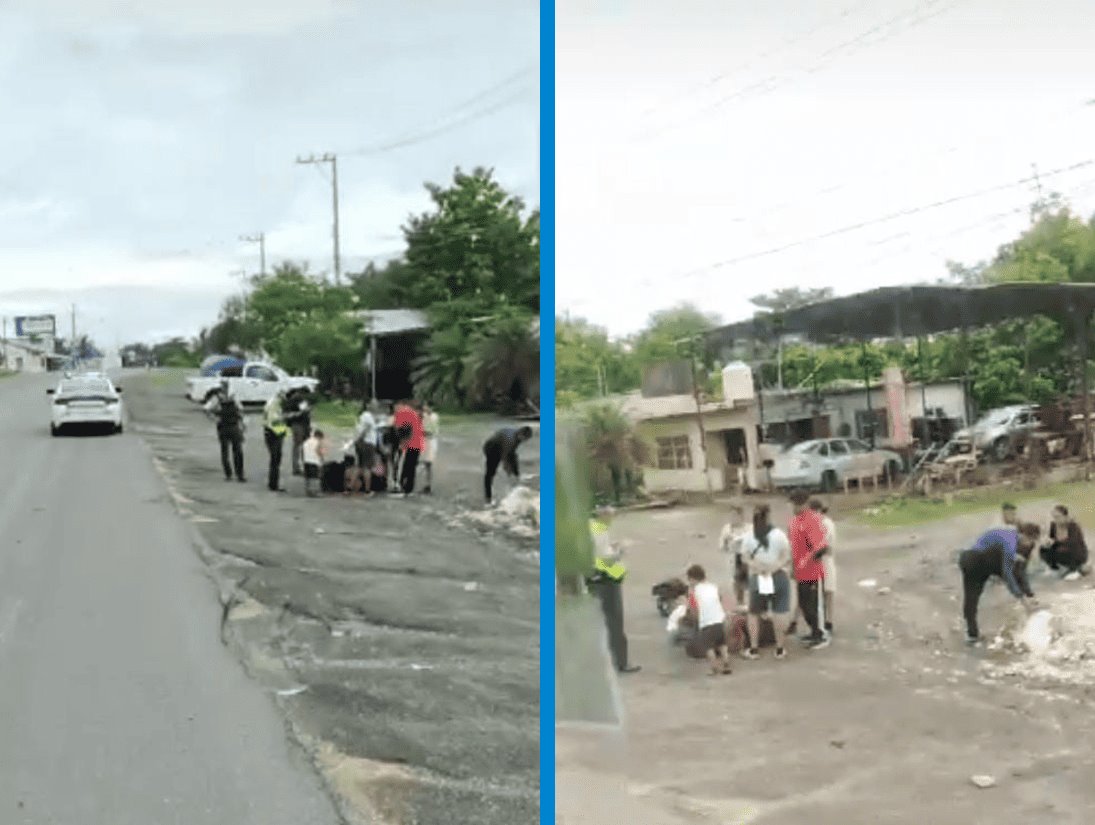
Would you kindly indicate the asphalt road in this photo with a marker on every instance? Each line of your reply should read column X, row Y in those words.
column 118, row 702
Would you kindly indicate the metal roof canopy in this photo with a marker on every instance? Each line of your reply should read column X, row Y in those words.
column 914, row 311
column 384, row 322
column 905, row 312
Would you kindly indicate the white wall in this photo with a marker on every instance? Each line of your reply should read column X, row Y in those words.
column 693, row 480
column 17, row 359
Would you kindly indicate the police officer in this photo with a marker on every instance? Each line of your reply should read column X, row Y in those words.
column 607, row 584
column 227, row 412
column 275, row 430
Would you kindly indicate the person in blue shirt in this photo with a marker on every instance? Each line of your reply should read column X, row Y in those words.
column 1002, row 552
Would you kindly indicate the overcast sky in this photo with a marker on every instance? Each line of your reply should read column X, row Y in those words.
column 140, row 139
column 708, row 132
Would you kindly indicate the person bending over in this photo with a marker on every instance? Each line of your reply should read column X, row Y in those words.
column 999, row 552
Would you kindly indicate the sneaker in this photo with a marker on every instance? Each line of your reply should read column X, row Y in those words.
column 1072, row 576
column 750, row 653
column 781, row 653
column 631, row 669
column 828, row 628
column 809, row 637
column 818, row 644
column 971, row 640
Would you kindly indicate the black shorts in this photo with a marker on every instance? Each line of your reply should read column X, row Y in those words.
column 712, row 637
column 311, row 471
column 366, row 456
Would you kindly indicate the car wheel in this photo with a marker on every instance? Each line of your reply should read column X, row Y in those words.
column 893, row 469
column 119, row 428
column 54, row 430
column 1000, row 449
column 828, row 481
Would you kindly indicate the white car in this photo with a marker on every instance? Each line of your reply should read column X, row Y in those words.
column 827, row 462
column 255, row 383
column 86, row 400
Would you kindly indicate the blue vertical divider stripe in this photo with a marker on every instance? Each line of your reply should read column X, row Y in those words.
column 547, row 411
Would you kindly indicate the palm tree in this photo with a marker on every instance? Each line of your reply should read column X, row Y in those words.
column 503, row 363
column 438, row 373
column 613, row 443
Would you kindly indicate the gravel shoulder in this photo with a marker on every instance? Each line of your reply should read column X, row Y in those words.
column 401, row 636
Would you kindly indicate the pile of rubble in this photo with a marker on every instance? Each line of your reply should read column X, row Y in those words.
column 1054, row 646
column 518, row 513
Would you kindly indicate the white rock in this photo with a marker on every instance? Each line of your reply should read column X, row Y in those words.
column 867, row 583
column 983, row 781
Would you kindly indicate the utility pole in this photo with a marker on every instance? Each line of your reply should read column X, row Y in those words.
column 333, row 160
column 260, row 239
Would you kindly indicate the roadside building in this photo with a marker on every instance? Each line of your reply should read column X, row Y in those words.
column 21, row 356
column 668, row 418
column 394, row 338
column 895, row 413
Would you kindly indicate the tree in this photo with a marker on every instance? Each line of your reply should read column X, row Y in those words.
column 438, row 373
column 502, row 367
column 476, row 246
column 588, row 364
column 616, row 450
column 670, row 332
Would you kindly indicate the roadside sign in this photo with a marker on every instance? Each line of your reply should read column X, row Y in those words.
column 28, row 325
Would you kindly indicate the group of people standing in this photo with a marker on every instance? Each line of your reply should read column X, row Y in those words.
column 383, row 455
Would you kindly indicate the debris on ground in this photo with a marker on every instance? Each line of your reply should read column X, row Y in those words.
column 1052, row 645
column 518, row 513
column 868, row 583
column 983, row 781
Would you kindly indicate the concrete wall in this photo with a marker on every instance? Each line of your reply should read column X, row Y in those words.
column 17, row 359
column 693, row 480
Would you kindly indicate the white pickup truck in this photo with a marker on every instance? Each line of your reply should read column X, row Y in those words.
column 254, row 383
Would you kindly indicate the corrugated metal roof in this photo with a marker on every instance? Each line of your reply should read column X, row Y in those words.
column 381, row 322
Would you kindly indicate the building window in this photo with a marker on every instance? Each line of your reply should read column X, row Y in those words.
column 674, row 453
column 876, row 420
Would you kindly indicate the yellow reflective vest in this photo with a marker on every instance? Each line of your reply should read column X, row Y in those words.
column 273, row 418
column 603, row 567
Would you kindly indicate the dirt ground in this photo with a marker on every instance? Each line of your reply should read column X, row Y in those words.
column 401, row 644
column 888, row 725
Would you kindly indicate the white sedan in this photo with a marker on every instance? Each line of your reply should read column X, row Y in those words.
column 85, row 400
column 827, row 462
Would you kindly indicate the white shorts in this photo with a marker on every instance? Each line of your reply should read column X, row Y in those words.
column 431, row 451
column 830, row 573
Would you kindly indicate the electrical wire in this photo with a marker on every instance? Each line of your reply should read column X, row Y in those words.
column 885, row 219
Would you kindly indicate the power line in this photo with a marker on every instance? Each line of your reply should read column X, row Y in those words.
column 787, row 42
column 774, row 82
column 454, row 117
column 884, row 219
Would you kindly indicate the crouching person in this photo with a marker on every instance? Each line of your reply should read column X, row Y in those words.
column 1002, row 552
column 706, row 604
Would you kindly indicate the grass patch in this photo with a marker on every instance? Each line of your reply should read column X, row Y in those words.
column 6, row 373
column 343, row 414
column 906, row 512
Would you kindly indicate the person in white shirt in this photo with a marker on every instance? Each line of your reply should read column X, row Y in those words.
column 766, row 552
column 829, row 581
column 730, row 541
column 365, row 449
column 314, row 452
column 705, row 602
column 431, row 426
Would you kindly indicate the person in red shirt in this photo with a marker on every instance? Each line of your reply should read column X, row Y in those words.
column 808, row 546
column 412, row 440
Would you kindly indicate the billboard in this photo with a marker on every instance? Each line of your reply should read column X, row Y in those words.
column 28, row 325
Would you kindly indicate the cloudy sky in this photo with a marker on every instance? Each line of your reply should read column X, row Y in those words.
column 695, row 139
column 141, row 139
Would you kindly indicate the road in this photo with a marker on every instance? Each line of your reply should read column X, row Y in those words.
column 118, row 702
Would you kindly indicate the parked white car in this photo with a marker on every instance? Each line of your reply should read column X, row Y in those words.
column 827, row 462
column 257, row 383
column 86, row 400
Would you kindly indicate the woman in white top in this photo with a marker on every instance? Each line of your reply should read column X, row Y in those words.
column 829, row 582
column 705, row 601
column 766, row 553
